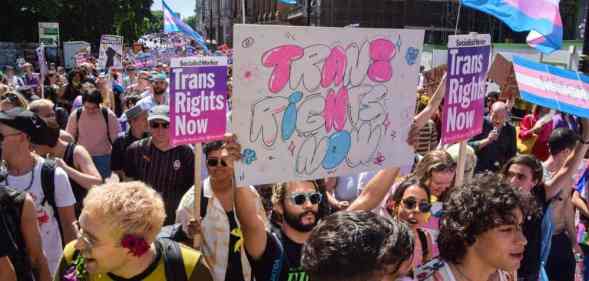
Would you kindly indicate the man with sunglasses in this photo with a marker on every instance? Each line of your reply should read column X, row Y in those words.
column 154, row 160
column 275, row 254
column 219, row 228
column 159, row 96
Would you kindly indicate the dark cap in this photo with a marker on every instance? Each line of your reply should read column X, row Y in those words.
column 28, row 123
column 134, row 112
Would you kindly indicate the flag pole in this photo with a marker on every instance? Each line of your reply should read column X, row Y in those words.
column 459, row 180
column 242, row 11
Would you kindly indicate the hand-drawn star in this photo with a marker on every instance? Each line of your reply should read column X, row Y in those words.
column 393, row 135
column 291, row 148
column 379, row 159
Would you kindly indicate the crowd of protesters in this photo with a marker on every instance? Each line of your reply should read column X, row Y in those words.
column 93, row 189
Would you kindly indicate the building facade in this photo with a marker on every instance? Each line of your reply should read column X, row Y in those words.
column 437, row 17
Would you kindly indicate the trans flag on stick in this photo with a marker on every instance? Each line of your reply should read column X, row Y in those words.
column 173, row 23
column 540, row 17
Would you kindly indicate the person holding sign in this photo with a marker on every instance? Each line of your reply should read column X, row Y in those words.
column 219, row 226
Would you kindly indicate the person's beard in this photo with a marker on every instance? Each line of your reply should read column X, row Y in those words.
column 294, row 221
column 158, row 91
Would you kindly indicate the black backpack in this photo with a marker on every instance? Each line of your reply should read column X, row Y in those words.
column 48, row 186
column 104, row 115
column 11, row 205
column 173, row 261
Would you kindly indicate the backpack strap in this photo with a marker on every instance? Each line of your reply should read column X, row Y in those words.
column 48, row 186
column 173, row 261
column 204, row 203
column 105, row 116
column 78, row 115
column 424, row 245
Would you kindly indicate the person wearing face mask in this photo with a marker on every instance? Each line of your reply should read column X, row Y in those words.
column 160, row 94
column 497, row 143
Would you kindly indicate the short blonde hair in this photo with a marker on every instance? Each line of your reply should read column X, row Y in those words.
column 129, row 208
column 35, row 105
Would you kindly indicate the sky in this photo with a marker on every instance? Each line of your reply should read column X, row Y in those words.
column 184, row 7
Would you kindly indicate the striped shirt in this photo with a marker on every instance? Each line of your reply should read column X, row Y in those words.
column 171, row 173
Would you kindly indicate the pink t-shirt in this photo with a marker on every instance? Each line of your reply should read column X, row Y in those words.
column 92, row 131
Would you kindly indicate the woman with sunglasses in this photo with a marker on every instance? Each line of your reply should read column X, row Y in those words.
column 411, row 203
column 12, row 100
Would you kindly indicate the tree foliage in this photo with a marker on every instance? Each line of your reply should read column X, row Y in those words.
column 83, row 20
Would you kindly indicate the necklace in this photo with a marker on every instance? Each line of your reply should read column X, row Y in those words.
column 32, row 177
column 461, row 273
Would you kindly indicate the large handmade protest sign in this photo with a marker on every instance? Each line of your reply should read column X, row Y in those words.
column 110, row 52
column 198, row 99
column 313, row 102
column 552, row 87
column 468, row 64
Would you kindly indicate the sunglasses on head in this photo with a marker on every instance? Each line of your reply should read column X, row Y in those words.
column 299, row 198
column 155, row 125
column 214, row 162
column 410, row 203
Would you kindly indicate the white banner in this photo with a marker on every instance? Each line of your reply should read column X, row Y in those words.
column 111, row 52
column 312, row 102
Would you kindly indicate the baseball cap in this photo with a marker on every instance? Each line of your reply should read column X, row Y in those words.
column 27, row 122
column 134, row 112
column 158, row 76
column 160, row 112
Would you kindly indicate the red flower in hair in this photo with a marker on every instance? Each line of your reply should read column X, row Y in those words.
column 135, row 244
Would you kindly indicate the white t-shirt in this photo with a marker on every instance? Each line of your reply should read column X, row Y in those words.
column 64, row 197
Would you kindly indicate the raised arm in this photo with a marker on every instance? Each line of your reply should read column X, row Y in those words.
column 565, row 174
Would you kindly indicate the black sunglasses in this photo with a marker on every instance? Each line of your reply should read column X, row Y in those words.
column 11, row 97
column 299, row 198
column 410, row 203
column 214, row 162
column 155, row 125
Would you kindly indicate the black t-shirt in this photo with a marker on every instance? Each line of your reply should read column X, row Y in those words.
column 281, row 261
column 171, row 172
column 530, row 264
column 117, row 158
column 234, row 270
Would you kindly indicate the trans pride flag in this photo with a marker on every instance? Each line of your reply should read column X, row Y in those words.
column 173, row 23
column 540, row 17
column 552, row 87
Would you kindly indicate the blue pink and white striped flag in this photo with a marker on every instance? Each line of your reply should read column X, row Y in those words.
column 552, row 87
column 540, row 17
column 173, row 23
